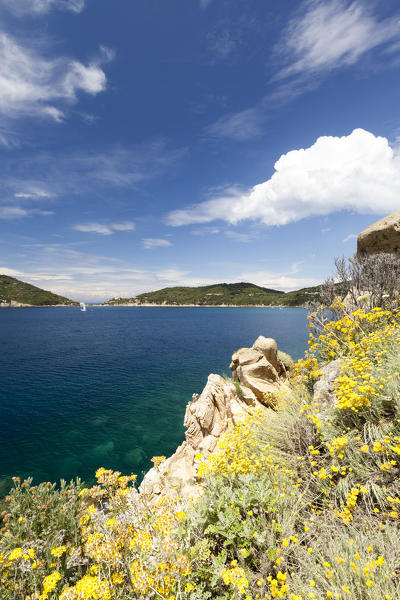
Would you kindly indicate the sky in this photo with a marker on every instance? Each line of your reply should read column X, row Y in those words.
column 153, row 143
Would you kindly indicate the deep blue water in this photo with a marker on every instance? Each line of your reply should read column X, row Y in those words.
column 109, row 387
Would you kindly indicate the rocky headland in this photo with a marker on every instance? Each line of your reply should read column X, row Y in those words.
column 258, row 376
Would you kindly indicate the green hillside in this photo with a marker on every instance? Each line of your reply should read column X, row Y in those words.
column 14, row 290
column 242, row 294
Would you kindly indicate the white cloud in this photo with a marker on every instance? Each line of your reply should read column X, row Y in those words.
column 171, row 275
column 323, row 36
column 94, row 228
column 205, row 3
column 32, row 195
column 67, row 270
column 18, row 212
column 39, row 7
column 12, row 212
column 359, row 172
column 124, row 226
column 328, row 34
column 240, row 126
column 10, row 272
column 39, row 277
column 149, row 243
column 86, row 170
column 351, row 236
column 33, row 84
column 206, row 231
column 44, row 178
column 105, row 229
column 277, row 281
column 240, row 236
column 100, row 281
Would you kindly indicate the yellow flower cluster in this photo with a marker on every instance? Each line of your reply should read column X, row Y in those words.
column 278, row 587
column 49, row 583
column 58, row 551
column 128, row 543
column 236, row 578
column 239, row 451
column 88, row 588
column 361, row 341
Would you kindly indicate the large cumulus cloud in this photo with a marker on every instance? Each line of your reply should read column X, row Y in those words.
column 359, row 172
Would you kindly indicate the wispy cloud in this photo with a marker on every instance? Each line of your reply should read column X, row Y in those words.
column 359, row 172
column 206, row 231
column 40, row 7
column 32, row 195
column 240, row 126
column 322, row 37
column 221, row 43
column 43, row 176
column 204, row 3
column 149, row 243
column 19, row 212
column 10, row 272
column 103, row 229
column 240, row 236
column 330, row 34
column 278, row 281
column 171, row 275
column 351, row 236
column 35, row 83
column 84, row 276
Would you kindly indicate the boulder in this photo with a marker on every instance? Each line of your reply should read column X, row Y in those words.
column 324, row 391
column 269, row 348
column 259, row 368
column 382, row 236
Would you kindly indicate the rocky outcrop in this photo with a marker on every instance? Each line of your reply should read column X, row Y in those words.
column 207, row 417
column 258, row 373
column 15, row 304
column 324, row 387
column 382, row 236
column 259, row 368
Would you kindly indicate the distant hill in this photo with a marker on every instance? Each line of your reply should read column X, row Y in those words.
column 13, row 290
column 241, row 294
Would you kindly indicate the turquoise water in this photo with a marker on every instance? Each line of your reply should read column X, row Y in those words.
column 109, row 387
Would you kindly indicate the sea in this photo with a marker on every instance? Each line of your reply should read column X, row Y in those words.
column 109, row 386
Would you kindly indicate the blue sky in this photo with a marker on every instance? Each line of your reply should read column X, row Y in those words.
column 152, row 143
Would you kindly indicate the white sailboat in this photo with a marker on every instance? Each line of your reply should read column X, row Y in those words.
column 83, row 306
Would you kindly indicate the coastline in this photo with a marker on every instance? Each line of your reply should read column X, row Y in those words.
column 20, row 305
column 148, row 305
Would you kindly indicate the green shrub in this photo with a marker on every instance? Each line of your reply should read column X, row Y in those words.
column 38, row 520
column 287, row 360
